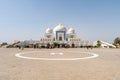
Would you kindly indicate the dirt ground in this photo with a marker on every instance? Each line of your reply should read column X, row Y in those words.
column 104, row 67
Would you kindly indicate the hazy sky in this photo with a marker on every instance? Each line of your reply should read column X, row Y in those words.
column 28, row 19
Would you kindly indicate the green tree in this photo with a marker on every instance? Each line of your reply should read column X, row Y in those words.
column 117, row 41
column 98, row 43
column 55, row 44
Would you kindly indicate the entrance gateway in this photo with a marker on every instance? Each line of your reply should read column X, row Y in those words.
column 60, row 36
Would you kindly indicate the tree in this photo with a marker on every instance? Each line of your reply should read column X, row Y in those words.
column 98, row 43
column 4, row 43
column 117, row 41
column 55, row 44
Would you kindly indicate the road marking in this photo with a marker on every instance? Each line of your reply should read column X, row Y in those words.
column 56, row 53
column 20, row 55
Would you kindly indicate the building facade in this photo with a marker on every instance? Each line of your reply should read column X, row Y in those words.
column 61, row 36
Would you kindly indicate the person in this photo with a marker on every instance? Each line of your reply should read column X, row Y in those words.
column 87, row 47
column 91, row 47
column 19, row 47
column 22, row 47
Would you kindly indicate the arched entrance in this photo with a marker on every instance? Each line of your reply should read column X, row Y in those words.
column 48, row 45
column 73, row 45
column 35, row 45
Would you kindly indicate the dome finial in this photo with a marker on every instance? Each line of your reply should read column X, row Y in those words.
column 60, row 24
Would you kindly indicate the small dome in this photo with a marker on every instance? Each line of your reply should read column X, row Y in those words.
column 60, row 27
column 48, row 31
column 71, row 31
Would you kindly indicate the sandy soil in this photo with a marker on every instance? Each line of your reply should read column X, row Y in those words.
column 104, row 67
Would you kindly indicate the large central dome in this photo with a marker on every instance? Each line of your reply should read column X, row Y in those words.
column 60, row 27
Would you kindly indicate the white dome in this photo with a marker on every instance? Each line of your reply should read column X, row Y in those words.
column 60, row 27
column 48, row 31
column 71, row 31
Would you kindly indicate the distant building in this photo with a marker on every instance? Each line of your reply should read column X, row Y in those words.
column 105, row 44
column 60, row 35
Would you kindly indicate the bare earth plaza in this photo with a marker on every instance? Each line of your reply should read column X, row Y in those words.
column 105, row 66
